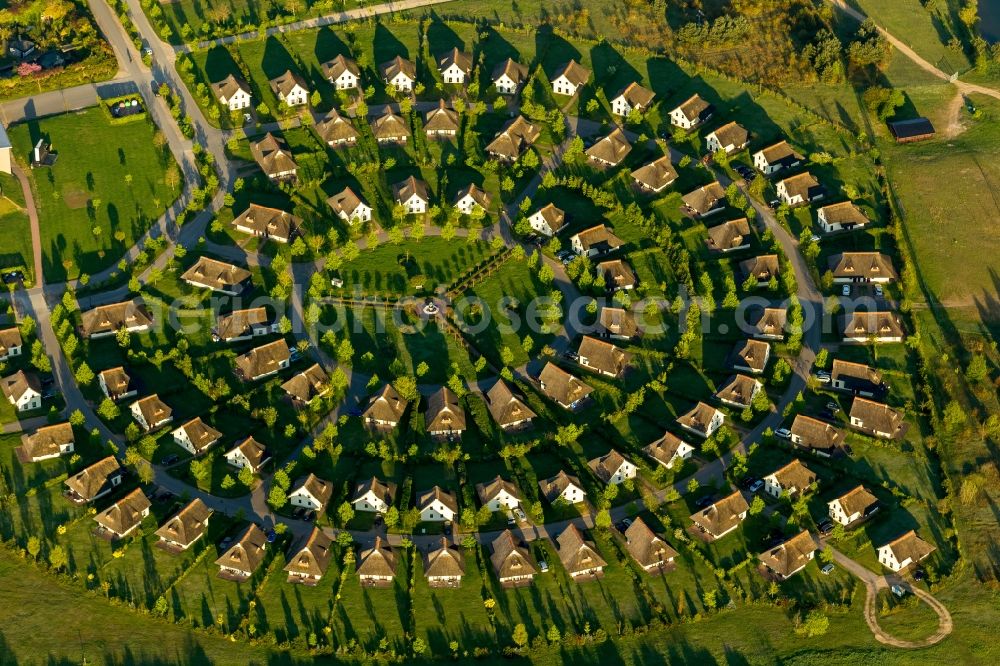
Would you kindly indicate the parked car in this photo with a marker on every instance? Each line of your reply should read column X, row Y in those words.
column 783, row 433
column 171, row 459
column 519, row 514
column 355, row 411
column 225, row 543
column 898, row 590
column 510, row 518
column 704, row 501
column 823, row 377
column 879, row 291
column 828, row 569
column 271, row 535
column 571, row 355
column 543, row 566
column 846, row 290
column 833, row 407
column 773, row 204
column 918, row 574
column 825, row 527
column 11, row 277
column 756, row 485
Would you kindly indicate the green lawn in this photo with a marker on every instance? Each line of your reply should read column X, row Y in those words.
column 389, row 269
column 88, row 189
column 292, row 611
column 369, row 614
column 447, row 614
column 15, row 247
column 958, row 264
column 926, row 29
column 507, row 312
column 205, row 600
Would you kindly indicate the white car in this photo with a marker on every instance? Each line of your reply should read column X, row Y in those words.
column 783, row 433
column 846, row 291
column 823, row 377
column 879, row 291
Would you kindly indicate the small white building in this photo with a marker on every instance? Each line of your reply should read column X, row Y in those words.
column 196, row 436
column 399, row 74
column 151, row 412
column 437, row 505
column 312, row 493
column 775, row 158
column 564, row 487
column 412, row 195
column 843, row 216
column 342, row 72
column 633, row 96
column 853, row 506
column 455, row 66
column 290, row 88
column 350, row 207
column 799, row 189
column 612, row 468
column 472, row 198
column 569, row 78
column 703, row 420
column 498, row 495
column 548, row 220
column 233, row 93
column 904, row 551
column 248, row 453
column 669, row 450
column 729, row 138
column 509, row 76
column 10, row 342
column 691, row 112
column 793, row 478
column 373, row 496
column 23, row 390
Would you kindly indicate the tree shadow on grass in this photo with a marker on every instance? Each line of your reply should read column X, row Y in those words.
column 387, row 46
column 219, row 64
column 277, row 60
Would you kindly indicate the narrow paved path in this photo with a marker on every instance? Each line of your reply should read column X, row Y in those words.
column 317, row 22
column 873, row 583
column 32, row 210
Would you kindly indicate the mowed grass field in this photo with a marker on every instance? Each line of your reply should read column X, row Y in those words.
column 925, row 27
column 36, row 627
column 948, row 192
column 107, row 178
column 15, row 244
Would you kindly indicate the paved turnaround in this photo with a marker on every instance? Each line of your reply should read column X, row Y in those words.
column 35, row 301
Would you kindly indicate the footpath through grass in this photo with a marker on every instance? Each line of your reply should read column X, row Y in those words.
column 107, row 187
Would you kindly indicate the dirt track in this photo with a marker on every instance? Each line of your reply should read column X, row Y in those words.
column 873, row 583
